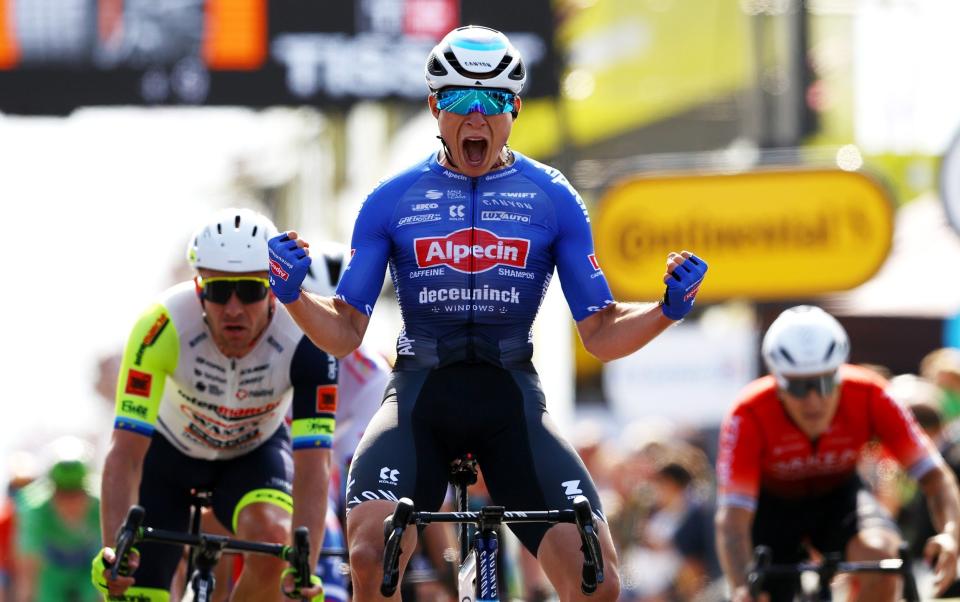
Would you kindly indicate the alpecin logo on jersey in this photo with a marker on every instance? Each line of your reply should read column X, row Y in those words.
column 471, row 251
column 277, row 270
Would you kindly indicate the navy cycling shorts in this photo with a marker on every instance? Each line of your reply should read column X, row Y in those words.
column 431, row 417
column 165, row 493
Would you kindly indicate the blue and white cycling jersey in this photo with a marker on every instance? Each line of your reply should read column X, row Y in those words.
column 471, row 259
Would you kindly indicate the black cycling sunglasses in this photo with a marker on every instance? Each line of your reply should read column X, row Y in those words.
column 249, row 289
column 824, row 384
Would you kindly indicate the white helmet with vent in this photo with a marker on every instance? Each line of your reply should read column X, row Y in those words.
column 803, row 341
column 233, row 240
column 475, row 57
column 329, row 261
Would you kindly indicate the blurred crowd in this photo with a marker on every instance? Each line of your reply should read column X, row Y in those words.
column 656, row 481
column 50, row 524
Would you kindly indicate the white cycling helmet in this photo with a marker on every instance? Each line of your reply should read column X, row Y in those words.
column 804, row 341
column 476, row 57
column 329, row 261
column 233, row 240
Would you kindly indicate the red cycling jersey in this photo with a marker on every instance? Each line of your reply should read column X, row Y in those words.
column 762, row 449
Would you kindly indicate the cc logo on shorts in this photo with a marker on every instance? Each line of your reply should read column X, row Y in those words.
column 388, row 475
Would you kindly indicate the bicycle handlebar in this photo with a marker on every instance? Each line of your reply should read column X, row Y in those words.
column 127, row 535
column 132, row 532
column 762, row 567
column 581, row 515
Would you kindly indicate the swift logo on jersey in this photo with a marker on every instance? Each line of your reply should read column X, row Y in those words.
column 471, row 251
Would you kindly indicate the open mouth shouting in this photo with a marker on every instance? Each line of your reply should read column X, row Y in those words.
column 473, row 149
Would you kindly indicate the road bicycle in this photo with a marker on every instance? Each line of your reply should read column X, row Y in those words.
column 477, row 575
column 831, row 566
column 207, row 549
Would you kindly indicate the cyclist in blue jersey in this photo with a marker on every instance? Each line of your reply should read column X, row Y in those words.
column 472, row 235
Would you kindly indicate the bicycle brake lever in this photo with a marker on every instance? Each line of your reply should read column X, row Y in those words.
column 592, row 575
column 127, row 535
column 301, row 556
column 393, row 528
column 762, row 556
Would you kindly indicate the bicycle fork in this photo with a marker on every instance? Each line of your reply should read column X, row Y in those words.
column 478, row 576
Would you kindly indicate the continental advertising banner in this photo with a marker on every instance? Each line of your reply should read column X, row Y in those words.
column 771, row 235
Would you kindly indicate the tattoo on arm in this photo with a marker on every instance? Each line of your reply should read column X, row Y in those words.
column 735, row 548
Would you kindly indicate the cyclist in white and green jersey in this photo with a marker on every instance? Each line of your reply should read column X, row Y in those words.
column 207, row 378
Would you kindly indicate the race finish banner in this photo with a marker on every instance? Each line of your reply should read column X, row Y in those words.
column 58, row 55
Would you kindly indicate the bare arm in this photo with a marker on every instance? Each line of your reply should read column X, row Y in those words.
column 311, row 479
column 333, row 325
column 943, row 499
column 735, row 547
column 621, row 328
column 120, row 485
column 25, row 579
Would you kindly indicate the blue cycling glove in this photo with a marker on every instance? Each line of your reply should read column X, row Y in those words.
column 682, row 288
column 288, row 267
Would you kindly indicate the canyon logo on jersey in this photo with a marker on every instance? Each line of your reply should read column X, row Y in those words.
column 471, row 250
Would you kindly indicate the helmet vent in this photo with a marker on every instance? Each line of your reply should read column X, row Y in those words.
column 833, row 345
column 236, row 222
column 434, row 67
column 452, row 59
column 518, row 73
column 786, row 355
column 219, row 228
column 254, row 233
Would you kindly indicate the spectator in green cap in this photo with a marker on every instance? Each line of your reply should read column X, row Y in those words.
column 58, row 529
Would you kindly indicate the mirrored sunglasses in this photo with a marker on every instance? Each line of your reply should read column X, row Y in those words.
column 823, row 384
column 464, row 101
column 248, row 289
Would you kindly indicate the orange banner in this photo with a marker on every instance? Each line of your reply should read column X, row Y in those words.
column 235, row 34
column 9, row 50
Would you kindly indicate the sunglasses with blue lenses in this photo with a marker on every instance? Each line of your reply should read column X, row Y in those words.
column 464, row 101
column 823, row 384
column 248, row 289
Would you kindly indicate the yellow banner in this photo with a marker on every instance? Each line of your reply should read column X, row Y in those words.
column 772, row 235
column 633, row 63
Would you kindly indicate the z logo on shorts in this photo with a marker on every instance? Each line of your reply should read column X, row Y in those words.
column 573, row 488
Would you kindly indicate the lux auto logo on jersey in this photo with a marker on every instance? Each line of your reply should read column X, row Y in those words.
column 471, row 251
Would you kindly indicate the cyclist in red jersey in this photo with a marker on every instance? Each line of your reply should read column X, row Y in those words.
column 787, row 465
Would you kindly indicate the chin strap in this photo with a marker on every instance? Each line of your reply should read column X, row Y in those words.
column 446, row 152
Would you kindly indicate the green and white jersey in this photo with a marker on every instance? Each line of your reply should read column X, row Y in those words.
column 175, row 380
